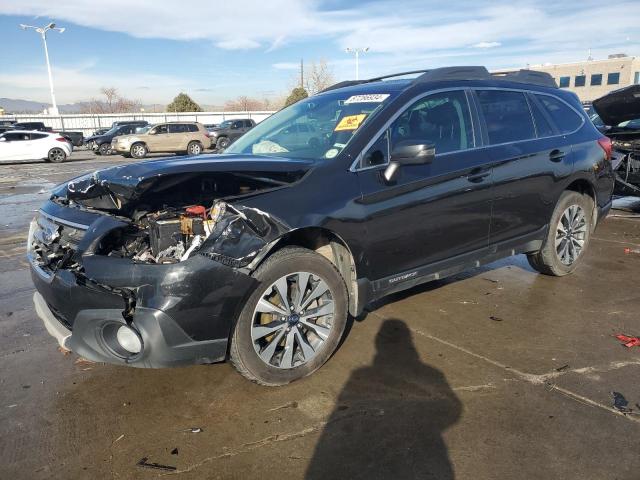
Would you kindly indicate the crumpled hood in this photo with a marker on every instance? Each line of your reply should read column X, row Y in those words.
column 619, row 106
column 124, row 184
column 94, row 137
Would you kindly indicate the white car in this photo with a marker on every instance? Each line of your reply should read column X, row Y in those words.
column 33, row 145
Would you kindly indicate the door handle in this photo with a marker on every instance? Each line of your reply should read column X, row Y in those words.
column 477, row 175
column 556, row 155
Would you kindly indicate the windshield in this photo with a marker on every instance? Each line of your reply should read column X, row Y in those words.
column 111, row 130
column 143, row 129
column 317, row 127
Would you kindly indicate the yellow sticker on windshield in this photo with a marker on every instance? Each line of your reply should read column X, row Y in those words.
column 350, row 122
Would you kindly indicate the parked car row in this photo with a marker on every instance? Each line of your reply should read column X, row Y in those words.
column 137, row 138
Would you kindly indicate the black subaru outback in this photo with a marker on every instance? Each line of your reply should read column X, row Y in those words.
column 261, row 254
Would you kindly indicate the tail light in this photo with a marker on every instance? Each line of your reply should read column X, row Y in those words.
column 62, row 139
column 607, row 146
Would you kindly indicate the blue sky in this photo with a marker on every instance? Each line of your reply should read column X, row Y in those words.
column 215, row 51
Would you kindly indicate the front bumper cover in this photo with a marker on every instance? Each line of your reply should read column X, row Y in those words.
column 184, row 312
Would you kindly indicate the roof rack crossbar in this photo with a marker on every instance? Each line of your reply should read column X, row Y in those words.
column 453, row 73
column 533, row 77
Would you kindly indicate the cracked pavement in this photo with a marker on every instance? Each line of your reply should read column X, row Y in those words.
column 496, row 373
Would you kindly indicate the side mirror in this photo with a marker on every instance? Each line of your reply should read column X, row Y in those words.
column 152, row 132
column 409, row 154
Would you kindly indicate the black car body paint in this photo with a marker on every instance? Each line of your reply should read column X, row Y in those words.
column 464, row 209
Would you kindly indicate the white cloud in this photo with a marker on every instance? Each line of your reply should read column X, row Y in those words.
column 286, row 66
column 486, row 45
column 77, row 83
column 402, row 35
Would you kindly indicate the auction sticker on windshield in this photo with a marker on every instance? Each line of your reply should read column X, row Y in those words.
column 372, row 98
column 350, row 122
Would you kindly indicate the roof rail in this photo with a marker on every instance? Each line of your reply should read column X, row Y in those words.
column 377, row 79
column 532, row 77
column 349, row 83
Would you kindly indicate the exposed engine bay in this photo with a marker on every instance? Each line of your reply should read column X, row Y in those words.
column 167, row 236
column 626, row 161
column 619, row 112
column 163, row 218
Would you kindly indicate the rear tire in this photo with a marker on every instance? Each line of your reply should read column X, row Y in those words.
column 56, row 155
column 194, row 148
column 298, row 343
column 568, row 236
column 138, row 150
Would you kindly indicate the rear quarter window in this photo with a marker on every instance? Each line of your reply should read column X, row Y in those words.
column 506, row 116
column 192, row 127
column 565, row 118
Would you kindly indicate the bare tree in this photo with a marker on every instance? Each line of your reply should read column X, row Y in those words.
column 244, row 104
column 112, row 103
column 318, row 76
column 111, row 97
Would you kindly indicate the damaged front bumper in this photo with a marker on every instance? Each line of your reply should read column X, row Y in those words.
column 182, row 312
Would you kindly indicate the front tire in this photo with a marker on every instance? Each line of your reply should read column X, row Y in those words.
column 222, row 143
column 568, row 236
column 194, row 148
column 104, row 149
column 56, row 155
column 293, row 321
column 138, row 150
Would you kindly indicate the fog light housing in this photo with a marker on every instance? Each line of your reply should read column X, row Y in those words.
column 129, row 339
column 121, row 340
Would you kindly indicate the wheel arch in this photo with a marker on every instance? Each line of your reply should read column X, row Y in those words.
column 585, row 187
column 142, row 142
column 328, row 244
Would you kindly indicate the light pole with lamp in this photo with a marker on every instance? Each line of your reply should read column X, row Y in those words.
column 357, row 52
column 43, row 32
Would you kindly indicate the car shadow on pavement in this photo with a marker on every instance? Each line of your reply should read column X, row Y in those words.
column 389, row 418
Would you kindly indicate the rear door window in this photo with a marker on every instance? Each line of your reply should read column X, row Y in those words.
column 543, row 127
column 506, row 115
column 566, row 119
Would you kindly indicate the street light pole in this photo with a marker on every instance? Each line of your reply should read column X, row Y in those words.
column 43, row 33
column 357, row 52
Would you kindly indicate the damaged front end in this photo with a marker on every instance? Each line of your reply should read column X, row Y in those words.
column 626, row 161
column 620, row 111
column 163, row 259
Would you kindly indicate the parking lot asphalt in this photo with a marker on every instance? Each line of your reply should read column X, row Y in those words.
column 498, row 373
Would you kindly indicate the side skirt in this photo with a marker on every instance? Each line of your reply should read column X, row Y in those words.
column 373, row 290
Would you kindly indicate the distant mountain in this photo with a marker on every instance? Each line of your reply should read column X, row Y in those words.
column 12, row 105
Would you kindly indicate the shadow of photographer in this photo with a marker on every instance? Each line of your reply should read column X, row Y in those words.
column 389, row 418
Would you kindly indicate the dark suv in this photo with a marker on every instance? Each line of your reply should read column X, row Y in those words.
column 101, row 144
column 229, row 131
column 261, row 254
